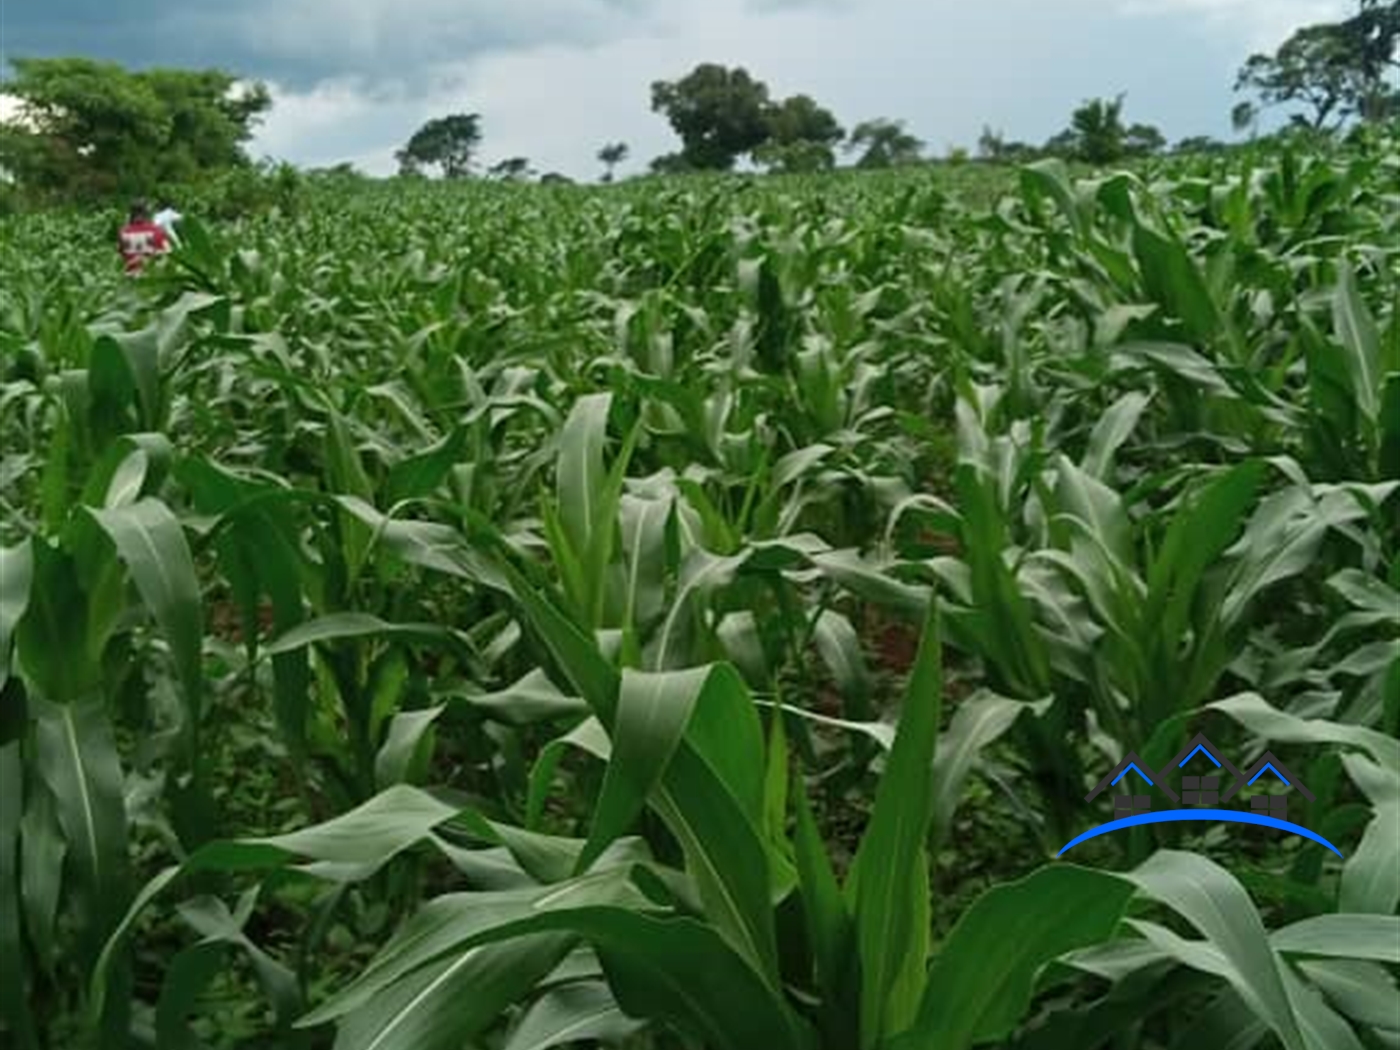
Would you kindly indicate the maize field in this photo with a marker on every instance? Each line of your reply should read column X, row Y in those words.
column 689, row 614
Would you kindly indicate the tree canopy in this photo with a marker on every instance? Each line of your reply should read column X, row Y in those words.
column 1332, row 71
column 723, row 114
column 89, row 130
column 610, row 156
column 1098, row 135
column 447, row 143
column 885, row 142
column 719, row 114
column 802, row 136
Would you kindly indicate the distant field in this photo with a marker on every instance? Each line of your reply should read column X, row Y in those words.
column 471, row 537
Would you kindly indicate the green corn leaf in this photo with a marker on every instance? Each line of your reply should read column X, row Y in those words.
column 891, row 861
column 16, row 577
column 1371, row 875
column 572, row 1013
column 1255, row 713
column 1342, row 936
column 150, row 541
column 452, row 1000
column 1360, row 341
column 982, row 978
column 1213, row 902
column 16, row 1015
column 407, row 746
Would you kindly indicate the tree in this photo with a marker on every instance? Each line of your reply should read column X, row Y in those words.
column 719, row 114
column 444, row 142
column 1372, row 36
column 670, row 164
column 611, row 155
column 885, row 142
column 1099, row 134
column 512, row 169
column 1244, row 117
column 1312, row 68
column 801, row 136
column 1143, row 140
column 1199, row 144
column 88, row 130
column 1335, row 71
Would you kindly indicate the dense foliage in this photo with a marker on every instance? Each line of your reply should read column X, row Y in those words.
column 88, row 131
column 691, row 614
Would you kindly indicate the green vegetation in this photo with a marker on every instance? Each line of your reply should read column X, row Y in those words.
column 691, row 613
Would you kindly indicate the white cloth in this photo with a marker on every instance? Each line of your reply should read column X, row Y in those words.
column 166, row 219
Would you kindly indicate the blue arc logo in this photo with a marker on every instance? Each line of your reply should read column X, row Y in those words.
column 1200, row 797
column 1165, row 816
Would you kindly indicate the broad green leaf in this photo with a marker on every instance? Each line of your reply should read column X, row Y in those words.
column 339, row 626
column 891, row 861
column 1343, row 936
column 187, row 975
column 1358, row 338
column 1323, row 1027
column 534, row 698
column 16, row 577
column 1213, row 902
column 1363, row 991
column 350, row 847
column 404, row 749
column 54, row 653
column 450, row 925
column 149, row 539
column 1172, row 278
column 78, row 761
column 980, row 720
column 581, row 477
column 572, row 1013
column 42, row 883
column 652, row 714
column 1114, row 428
column 1255, row 714
column 981, row 980
column 16, row 1014
column 446, row 1003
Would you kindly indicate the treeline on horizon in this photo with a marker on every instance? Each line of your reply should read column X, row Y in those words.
column 90, row 132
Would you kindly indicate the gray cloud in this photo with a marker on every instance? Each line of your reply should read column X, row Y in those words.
column 553, row 79
column 300, row 43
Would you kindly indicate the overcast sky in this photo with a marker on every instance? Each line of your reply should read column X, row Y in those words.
column 555, row 79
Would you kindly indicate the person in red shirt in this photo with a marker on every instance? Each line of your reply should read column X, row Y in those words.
column 140, row 238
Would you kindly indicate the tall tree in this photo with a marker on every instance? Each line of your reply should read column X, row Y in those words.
column 718, row 114
column 1332, row 70
column 885, row 142
column 1244, row 117
column 1142, row 140
column 1099, row 133
column 1314, row 69
column 1372, row 36
column 89, row 130
column 512, row 169
column 611, row 155
column 446, row 143
column 801, row 136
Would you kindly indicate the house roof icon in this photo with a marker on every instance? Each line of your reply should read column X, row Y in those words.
column 1199, row 744
column 1131, row 761
column 1268, row 763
